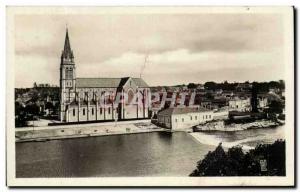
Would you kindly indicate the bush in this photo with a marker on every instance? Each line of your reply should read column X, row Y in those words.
column 235, row 162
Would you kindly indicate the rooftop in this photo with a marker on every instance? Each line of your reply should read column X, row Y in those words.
column 182, row 110
column 107, row 82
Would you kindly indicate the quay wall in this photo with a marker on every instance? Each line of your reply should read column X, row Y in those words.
column 84, row 130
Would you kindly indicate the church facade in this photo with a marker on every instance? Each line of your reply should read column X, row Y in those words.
column 96, row 99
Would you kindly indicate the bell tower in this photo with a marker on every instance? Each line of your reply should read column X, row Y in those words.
column 67, row 77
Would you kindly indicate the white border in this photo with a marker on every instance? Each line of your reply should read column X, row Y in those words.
column 152, row 181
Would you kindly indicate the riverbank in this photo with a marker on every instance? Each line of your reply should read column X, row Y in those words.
column 220, row 126
column 45, row 133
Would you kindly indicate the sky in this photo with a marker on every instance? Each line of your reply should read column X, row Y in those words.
column 162, row 49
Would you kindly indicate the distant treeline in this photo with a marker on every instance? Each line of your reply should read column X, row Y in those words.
column 260, row 86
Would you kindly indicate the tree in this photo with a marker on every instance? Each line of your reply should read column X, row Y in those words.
column 214, row 164
column 276, row 107
column 34, row 85
column 235, row 162
column 32, row 109
column 56, row 108
column 254, row 101
column 20, row 115
column 210, row 85
column 192, row 86
column 281, row 84
column 209, row 96
column 49, row 106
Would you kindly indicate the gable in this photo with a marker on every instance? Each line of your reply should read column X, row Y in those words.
column 140, row 82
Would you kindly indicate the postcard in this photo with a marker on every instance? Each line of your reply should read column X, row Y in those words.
column 150, row 96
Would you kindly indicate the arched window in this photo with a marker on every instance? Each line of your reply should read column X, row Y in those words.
column 130, row 96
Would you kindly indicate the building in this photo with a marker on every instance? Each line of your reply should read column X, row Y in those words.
column 221, row 113
column 80, row 98
column 200, row 87
column 240, row 104
column 206, row 103
column 262, row 101
column 244, row 87
column 181, row 118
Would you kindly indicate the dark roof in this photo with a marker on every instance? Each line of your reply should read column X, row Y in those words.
column 107, row 82
column 74, row 103
column 181, row 110
column 140, row 82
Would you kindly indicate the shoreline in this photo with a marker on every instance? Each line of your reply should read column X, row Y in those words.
column 47, row 133
column 41, row 134
column 43, row 139
column 220, row 126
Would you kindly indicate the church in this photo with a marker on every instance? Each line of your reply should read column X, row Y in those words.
column 81, row 99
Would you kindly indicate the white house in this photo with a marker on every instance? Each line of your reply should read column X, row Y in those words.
column 240, row 104
column 221, row 113
column 185, row 117
column 262, row 102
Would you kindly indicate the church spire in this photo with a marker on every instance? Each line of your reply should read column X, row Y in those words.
column 67, row 52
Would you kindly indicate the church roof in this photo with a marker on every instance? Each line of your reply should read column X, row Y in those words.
column 140, row 82
column 181, row 110
column 107, row 82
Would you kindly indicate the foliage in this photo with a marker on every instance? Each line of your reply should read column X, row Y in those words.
column 20, row 119
column 30, row 102
column 235, row 162
column 192, row 86
column 260, row 86
column 276, row 106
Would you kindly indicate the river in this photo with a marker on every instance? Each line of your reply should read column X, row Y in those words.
column 145, row 154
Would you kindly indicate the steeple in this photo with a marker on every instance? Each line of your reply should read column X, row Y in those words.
column 67, row 52
column 67, row 78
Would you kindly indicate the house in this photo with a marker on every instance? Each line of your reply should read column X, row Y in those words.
column 221, row 113
column 200, row 87
column 227, row 94
column 183, row 117
column 243, row 87
column 206, row 103
column 274, row 90
column 240, row 104
column 262, row 101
